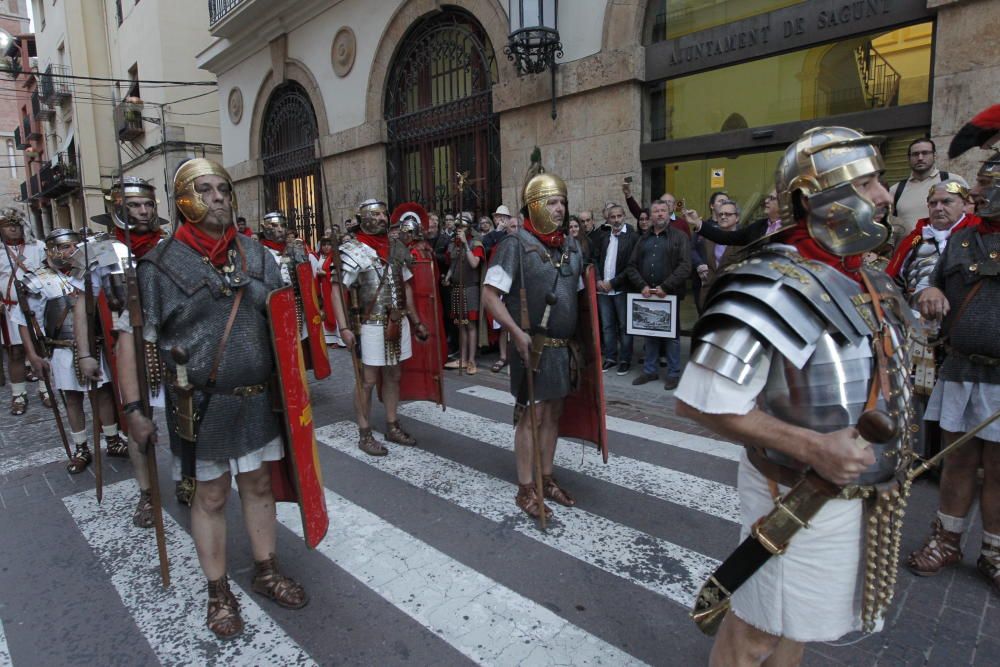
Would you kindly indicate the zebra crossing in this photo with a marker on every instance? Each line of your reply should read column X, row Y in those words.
column 474, row 614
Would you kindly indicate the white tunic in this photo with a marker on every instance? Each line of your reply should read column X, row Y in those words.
column 26, row 257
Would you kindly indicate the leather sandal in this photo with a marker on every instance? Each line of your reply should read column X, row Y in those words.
column 553, row 491
column 117, row 447
column 471, row 369
column 46, row 398
column 270, row 583
column 224, row 618
column 369, row 445
column 29, row 374
column 498, row 365
column 942, row 548
column 143, row 515
column 527, row 500
column 80, row 460
column 19, row 405
column 989, row 566
column 395, row 433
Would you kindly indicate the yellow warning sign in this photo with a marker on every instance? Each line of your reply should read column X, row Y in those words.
column 718, row 177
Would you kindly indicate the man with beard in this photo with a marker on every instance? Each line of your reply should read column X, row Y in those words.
column 537, row 270
column 909, row 196
column 137, row 199
column 23, row 254
column 795, row 344
column 376, row 270
column 52, row 294
column 613, row 252
column 205, row 291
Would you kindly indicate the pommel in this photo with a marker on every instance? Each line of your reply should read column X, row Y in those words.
column 550, row 298
column 179, row 355
column 877, row 426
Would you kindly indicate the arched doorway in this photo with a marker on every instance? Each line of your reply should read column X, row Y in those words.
column 439, row 116
column 291, row 171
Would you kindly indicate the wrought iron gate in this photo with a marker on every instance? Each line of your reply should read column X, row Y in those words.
column 440, row 119
column 291, row 170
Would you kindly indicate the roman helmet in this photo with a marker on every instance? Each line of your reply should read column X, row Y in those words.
column 539, row 186
column 411, row 217
column 988, row 205
column 369, row 219
column 13, row 216
column 820, row 168
column 120, row 192
column 189, row 203
column 54, row 239
column 273, row 226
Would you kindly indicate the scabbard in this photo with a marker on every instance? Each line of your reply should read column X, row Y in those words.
column 186, row 427
column 770, row 536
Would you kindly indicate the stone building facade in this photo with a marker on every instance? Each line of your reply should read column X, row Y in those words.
column 13, row 23
column 325, row 103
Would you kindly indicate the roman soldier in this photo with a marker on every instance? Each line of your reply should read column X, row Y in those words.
column 537, row 271
column 799, row 348
column 132, row 218
column 377, row 272
column 465, row 257
column 205, row 307
column 50, row 291
column 24, row 254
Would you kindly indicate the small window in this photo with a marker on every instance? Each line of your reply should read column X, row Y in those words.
column 12, row 156
column 118, row 11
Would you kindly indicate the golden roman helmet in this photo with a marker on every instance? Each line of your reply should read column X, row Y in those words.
column 537, row 191
column 189, row 202
column 820, row 167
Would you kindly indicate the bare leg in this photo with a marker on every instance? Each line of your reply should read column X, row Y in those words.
column 15, row 361
column 502, row 344
column 106, row 405
column 990, row 498
column 74, row 410
column 363, row 403
column 471, row 339
column 463, row 337
column 549, row 432
column 522, row 450
column 787, row 654
column 208, row 525
column 390, row 391
column 739, row 644
column 958, row 479
column 258, row 510
column 139, row 466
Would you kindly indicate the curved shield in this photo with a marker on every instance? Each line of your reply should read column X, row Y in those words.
column 421, row 378
column 584, row 410
column 297, row 477
column 313, row 318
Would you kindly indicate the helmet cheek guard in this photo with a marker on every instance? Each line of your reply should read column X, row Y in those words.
column 537, row 192
column 190, row 203
column 989, row 206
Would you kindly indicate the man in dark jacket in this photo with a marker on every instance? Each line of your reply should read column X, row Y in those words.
column 611, row 257
column 660, row 264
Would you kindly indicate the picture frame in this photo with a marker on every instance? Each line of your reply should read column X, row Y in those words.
column 652, row 316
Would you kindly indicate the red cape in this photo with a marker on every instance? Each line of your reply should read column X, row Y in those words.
column 915, row 238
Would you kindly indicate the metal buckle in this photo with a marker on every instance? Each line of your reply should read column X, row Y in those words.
column 248, row 390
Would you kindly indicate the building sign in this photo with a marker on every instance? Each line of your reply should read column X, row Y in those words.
column 718, row 178
column 786, row 29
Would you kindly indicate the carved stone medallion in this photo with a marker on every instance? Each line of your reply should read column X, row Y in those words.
column 343, row 51
column 235, row 105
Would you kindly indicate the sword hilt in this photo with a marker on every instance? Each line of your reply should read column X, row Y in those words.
column 180, row 357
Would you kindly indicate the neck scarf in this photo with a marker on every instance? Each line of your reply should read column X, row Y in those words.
column 552, row 240
column 216, row 250
column 380, row 243
column 799, row 237
column 141, row 243
column 276, row 246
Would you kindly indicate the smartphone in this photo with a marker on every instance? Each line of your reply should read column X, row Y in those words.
column 628, row 179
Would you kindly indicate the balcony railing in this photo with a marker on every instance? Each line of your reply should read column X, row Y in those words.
column 218, row 9
column 54, row 84
column 40, row 109
column 128, row 119
column 59, row 176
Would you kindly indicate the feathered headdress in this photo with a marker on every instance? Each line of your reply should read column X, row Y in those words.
column 534, row 169
column 983, row 131
column 410, row 209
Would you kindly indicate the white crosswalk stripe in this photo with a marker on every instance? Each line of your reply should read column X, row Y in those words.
column 172, row 620
column 485, row 621
column 4, row 651
column 690, row 491
column 656, row 564
column 666, row 436
column 19, row 462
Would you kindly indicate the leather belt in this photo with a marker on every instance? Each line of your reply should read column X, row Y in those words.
column 556, row 342
column 789, row 477
column 52, row 342
column 977, row 359
column 244, row 391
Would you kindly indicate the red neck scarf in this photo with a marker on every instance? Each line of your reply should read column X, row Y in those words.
column 276, row 246
column 380, row 243
column 799, row 237
column 141, row 243
column 215, row 250
column 552, row 240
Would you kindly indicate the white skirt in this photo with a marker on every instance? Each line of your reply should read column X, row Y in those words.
column 13, row 331
column 961, row 406
column 206, row 471
column 373, row 344
column 812, row 592
column 64, row 375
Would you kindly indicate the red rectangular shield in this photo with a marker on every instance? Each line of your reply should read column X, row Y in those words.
column 421, row 375
column 584, row 413
column 313, row 318
column 299, row 478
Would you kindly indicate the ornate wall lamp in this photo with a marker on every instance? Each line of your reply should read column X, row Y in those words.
column 533, row 43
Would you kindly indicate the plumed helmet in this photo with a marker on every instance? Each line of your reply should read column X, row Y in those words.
column 189, row 202
column 368, row 219
column 820, row 167
column 539, row 186
column 130, row 186
column 411, row 217
column 988, row 205
column 61, row 235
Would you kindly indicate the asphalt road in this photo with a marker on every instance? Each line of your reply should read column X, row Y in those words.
column 428, row 561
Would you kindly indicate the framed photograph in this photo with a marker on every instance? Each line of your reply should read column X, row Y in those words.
column 652, row 316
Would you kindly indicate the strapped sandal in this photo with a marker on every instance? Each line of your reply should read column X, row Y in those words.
column 224, row 618
column 143, row 515
column 45, row 397
column 270, row 583
column 19, row 405
column 80, row 460
column 471, row 369
column 29, row 374
column 942, row 548
column 553, row 491
column 989, row 566
column 368, row 444
column 117, row 447
column 184, row 490
column 395, row 433
column 527, row 500
column 498, row 366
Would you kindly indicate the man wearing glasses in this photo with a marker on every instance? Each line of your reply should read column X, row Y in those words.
column 909, row 197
